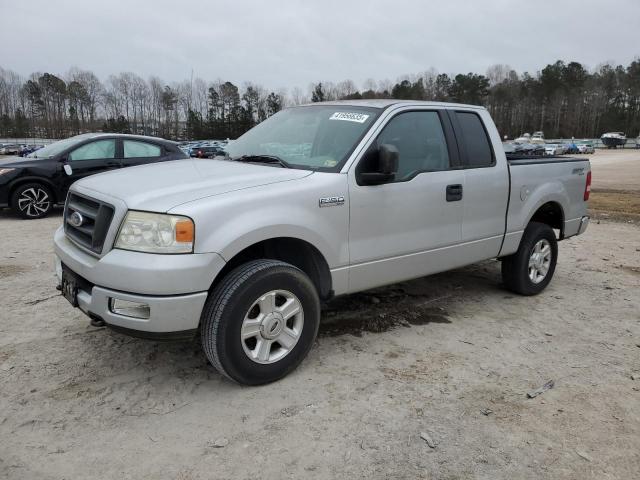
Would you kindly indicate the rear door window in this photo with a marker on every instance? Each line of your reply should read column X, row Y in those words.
column 134, row 149
column 476, row 142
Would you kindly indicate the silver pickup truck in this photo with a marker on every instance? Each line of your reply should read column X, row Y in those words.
column 317, row 201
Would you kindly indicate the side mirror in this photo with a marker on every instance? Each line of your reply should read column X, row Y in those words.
column 383, row 166
column 388, row 158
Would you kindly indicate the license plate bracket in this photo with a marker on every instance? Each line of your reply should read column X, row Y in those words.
column 69, row 287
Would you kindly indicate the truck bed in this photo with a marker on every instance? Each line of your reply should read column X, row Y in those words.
column 535, row 181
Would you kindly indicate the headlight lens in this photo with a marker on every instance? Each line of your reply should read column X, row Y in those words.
column 156, row 233
column 6, row 170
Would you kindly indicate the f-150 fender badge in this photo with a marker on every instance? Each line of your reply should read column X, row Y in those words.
column 330, row 201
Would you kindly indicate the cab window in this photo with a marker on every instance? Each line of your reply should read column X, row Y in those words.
column 476, row 141
column 95, row 150
column 420, row 141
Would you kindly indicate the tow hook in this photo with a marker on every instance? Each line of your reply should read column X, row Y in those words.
column 97, row 322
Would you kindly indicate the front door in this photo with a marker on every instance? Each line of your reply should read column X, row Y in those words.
column 411, row 226
column 91, row 158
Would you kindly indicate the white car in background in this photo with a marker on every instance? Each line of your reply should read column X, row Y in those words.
column 552, row 150
column 586, row 147
column 10, row 149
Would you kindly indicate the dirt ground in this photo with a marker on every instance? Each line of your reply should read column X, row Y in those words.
column 451, row 356
column 616, row 169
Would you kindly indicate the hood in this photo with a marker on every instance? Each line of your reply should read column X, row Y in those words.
column 162, row 186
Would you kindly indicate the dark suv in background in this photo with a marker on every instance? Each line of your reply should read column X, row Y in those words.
column 32, row 185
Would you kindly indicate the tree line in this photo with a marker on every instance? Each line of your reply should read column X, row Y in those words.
column 562, row 99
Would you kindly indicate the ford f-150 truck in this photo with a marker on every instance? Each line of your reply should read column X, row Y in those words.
column 317, row 201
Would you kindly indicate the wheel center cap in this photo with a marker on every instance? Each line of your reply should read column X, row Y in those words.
column 272, row 325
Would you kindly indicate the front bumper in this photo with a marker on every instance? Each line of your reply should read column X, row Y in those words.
column 174, row 287
column 169, row 316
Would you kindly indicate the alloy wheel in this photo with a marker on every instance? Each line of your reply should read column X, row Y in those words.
column 34, row 202
column 272, row 326
column 540, row 261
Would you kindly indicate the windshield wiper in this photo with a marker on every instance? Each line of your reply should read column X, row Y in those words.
column 262, row 159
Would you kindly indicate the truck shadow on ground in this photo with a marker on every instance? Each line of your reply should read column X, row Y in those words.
column 433, row 299
column 418, row 302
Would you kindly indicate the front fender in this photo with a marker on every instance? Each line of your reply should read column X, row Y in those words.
column 227, row 224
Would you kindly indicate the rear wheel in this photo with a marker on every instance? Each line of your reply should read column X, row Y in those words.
column 531, row 268
column 260, row 322
column 32, row 200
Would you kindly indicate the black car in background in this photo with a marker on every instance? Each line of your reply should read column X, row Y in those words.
column 32, row 185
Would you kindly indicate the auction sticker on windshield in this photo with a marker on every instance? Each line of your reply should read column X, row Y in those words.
column 349, row 117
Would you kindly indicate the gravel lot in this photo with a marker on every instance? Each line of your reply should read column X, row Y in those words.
column 616, row 169
column 452, row 356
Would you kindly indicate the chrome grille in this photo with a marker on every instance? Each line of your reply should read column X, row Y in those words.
column 87, row 221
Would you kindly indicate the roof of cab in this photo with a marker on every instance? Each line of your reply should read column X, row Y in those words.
column 383, row 103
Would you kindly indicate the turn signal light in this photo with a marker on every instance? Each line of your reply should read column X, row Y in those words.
column 184, row 231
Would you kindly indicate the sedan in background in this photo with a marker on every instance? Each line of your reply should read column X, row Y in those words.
column 586, row 147
column 552, row 150
column 10, row 149
column 571, row 148
column 31, row 186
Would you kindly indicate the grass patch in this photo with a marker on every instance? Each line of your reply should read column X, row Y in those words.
column 615, row 204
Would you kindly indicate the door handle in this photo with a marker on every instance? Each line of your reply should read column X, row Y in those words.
column 454, row 193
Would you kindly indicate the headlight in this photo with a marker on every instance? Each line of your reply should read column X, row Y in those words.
column 156, row 233
column 6, row 170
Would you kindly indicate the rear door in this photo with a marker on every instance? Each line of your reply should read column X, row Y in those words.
column 411, row 226
column 486, row 185
column 138, row 152
column 90, row 158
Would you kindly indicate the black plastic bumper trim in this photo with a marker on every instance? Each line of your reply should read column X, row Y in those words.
column 183, row 335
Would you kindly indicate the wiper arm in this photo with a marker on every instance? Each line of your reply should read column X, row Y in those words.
column 262, row 159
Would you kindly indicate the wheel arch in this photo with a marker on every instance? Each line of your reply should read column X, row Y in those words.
column 24, row 180
column 298, row 252
column 550, row 213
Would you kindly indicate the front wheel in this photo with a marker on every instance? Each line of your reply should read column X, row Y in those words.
column 260, row 322
column 32, row 200
column 531, row 268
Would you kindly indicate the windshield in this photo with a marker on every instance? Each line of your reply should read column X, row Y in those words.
column 315, row 137
column 55, row 148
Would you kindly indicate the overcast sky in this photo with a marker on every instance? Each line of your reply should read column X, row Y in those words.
column 286, row 43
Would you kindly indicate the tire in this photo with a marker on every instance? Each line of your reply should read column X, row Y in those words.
column 518, row 274
column 32, row 200
column 240, row 305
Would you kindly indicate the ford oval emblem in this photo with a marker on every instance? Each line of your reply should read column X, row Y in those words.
column 75, row 219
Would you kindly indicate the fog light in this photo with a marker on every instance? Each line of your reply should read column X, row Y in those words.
column 129, row 309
